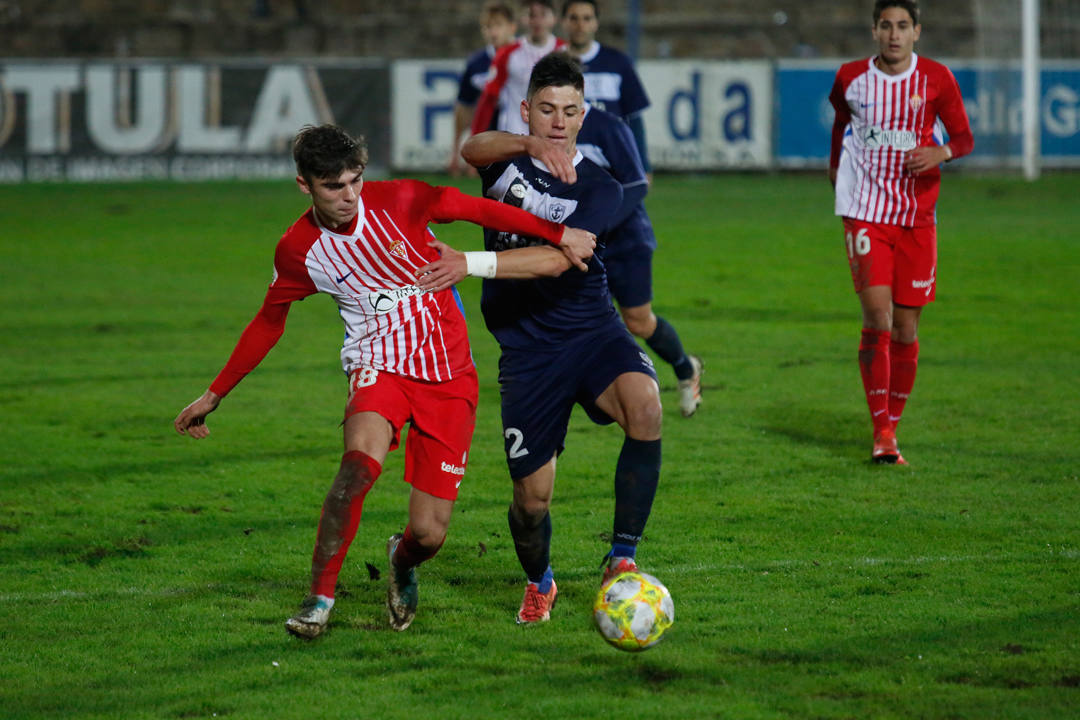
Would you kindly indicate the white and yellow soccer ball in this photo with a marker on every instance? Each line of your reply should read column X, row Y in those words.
column 633, row 610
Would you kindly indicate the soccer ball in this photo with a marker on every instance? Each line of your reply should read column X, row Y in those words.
column 632, row 611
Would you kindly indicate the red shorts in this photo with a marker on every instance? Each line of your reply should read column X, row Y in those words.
column 904, row 258
column 441, row 417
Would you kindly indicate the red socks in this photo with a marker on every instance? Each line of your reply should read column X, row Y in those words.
column 888, row 374
column 903, row 359
column 411, row 553
column 874, row 367
column 340, row 519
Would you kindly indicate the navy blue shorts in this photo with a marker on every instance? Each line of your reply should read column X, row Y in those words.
column 629, row 276
column 539, row 389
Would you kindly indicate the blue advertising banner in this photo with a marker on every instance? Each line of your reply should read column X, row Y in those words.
column 991, row 96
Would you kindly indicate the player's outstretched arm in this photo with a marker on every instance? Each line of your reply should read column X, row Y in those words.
column 192, row 420
column 261, row 334
column 518, row 264
column 496, row 146
column 449, row 204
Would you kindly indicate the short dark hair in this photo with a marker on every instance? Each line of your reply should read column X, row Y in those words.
column 550, row 4
column 326, row 151
column 496, row 7
column 912, row 7
column 568, row 3
column 556, row 70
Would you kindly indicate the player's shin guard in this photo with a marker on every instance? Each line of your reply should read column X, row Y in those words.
column 637, row 474
column 874, row 367
column 665, row 343
column 340, row 518
column 532, row 542
column 410, row 552
column 903, row 361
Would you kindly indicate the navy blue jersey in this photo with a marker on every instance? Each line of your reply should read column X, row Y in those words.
column 611, row 83
column 475, row 76
column 547, row 311
column 607, row 141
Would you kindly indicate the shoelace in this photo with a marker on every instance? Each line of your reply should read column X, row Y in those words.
column 535, row 603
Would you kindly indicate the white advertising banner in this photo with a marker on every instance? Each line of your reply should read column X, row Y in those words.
column 422, row 97
column 704, row 115
column 708, row 115
column 75, row 120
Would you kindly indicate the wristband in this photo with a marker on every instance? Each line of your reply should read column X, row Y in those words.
column 480, row 264
column 948, row 152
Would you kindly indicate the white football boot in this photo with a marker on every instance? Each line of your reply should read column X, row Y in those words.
column 690, row 389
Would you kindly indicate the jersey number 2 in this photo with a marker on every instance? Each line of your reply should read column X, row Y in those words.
column 516, row 439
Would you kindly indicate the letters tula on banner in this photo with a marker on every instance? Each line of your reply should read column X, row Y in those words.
column 151, row 108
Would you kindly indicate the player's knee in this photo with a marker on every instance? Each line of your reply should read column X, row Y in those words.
column 530, row 511
column 905, row 328
column 878, row 319
column 638, row 328
column 352, row 479
column 644, row 418
column 430, row 534
column 640, row 324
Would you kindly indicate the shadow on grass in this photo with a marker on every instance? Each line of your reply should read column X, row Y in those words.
column 838, row 432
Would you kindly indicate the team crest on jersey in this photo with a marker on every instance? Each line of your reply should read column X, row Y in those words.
column 556, row 211
column 916, row 102
column 397, row 248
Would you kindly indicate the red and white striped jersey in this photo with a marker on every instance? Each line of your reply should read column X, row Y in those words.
column 508, row 84
column 369, row 269
column 879, row 117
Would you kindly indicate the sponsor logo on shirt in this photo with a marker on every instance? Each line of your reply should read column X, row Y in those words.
column 875, row 137
column 383, row 301
column 517, row 193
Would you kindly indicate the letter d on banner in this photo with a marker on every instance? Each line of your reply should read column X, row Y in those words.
column 433, row 110
column 691, row 100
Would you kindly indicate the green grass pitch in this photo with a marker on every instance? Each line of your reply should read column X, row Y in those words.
column 145, row 575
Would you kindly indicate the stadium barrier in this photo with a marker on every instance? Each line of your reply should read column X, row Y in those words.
column 75, row 120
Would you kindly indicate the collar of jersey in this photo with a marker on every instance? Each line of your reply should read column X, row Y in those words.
column 548, row 45
column 895, row 78
column 591, row 53
column 578, row 157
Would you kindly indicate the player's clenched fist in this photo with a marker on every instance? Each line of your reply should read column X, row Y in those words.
column 192, row 419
